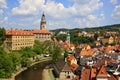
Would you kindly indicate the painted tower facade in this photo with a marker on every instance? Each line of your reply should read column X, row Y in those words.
column 43, row 22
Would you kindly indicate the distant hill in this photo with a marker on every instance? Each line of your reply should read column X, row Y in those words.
column 115, row 27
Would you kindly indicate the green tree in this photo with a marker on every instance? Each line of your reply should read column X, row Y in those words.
column 2, row 35
column 66, row 54
column 56, row 54
column 61, row 37
column 16, row 58
column 6, row 65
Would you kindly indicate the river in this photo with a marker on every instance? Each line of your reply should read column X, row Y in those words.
column 34, row 72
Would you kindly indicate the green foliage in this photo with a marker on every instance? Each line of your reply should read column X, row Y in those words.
column 56, row 54
column 82, row 40
column 6, row 65
column 66, row 54
column 2, row 35
column 96, row 36
column 61, row 37
column 16, row 58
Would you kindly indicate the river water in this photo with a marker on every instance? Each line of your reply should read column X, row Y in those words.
column 34, row 72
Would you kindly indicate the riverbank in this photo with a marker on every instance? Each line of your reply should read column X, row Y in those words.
column 23, row 69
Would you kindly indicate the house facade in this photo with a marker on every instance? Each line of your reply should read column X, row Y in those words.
column 17, row 39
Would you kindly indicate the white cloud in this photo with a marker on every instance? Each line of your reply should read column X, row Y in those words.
column 56, row 10
column 89, row 21
column 5, row 19
column 3, row 4
column 102, row 17
column 27, row 7
column 116, row 12
column 58, row 13
column 85, row 7
column 113, row 1
column 1, row 12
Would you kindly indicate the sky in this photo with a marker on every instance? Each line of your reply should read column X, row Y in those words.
column 26, row 14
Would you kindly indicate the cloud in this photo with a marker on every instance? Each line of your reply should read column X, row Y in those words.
column 89, row 21
column 3, row 4
column 27, row 8
column 5, row 19
column 58, row 13
column 116, row 13
column 1, row 12
column 56, row 10
column 85, row 7
column 113, row 1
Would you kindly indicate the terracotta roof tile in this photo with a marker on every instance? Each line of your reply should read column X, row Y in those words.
column 93, row 73
column 108, row 49
column 112, row 78
column 74, row 66
column 87, row 52
column 18, row 32
column 41, row 31
column 79, row 47
column 85, row 74
column 102, row 72
column 70, row 57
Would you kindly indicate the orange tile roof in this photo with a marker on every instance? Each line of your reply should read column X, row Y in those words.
column 86, row 47
column 112, row 78
column 74, row 66
column 93, row 73
column 85, row 74
column 79, row 47
column 102, row 72
column 41, row 31
column 108, row 49
column 72, row 45
column 70, row 57
column 87, row 52
column 18, row 32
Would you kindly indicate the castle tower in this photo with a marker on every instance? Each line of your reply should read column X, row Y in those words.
column 43, row 22
column 68, row 38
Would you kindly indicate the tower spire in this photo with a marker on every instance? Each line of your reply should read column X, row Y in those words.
column 43, row 22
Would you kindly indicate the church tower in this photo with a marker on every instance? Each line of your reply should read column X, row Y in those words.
column 43, row 22
column 68, row 38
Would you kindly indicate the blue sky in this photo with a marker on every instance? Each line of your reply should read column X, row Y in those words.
column 26, row 14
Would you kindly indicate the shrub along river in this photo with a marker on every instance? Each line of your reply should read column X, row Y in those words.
column 34, row 72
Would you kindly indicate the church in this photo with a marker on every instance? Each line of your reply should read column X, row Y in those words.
column 42, row 34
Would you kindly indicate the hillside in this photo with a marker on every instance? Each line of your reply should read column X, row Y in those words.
column 115, row 27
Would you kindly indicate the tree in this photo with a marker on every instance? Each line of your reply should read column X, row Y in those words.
column 6, row 65
column 96, row 36
column 16, row 58
column 66, row 54
column 2, row 35
column 61, row 37
column 56, row 54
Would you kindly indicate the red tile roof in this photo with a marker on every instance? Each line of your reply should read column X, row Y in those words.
column 112, row 78
column 78, row 47
column 18, row 32
column 72, row 45
column 70, row 57
column 102, row 72
column 41, row 31
column 93, row 73
column 108, row 49
column 87, row 52
column 85, row 74
column 74, row 66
